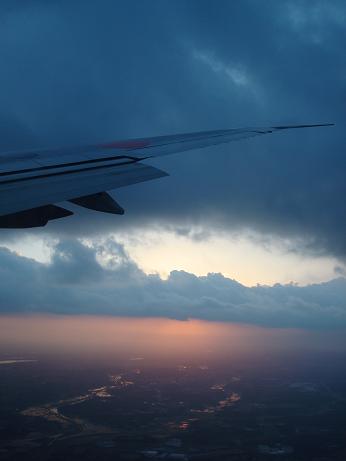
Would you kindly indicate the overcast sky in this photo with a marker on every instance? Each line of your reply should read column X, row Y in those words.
column 75, row 72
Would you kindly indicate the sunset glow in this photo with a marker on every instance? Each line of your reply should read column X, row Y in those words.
column 153, row 338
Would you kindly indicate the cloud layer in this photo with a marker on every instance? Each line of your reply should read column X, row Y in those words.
column 102, row 279
column 85, row 71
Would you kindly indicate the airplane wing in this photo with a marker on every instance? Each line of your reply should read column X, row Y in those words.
column 32, row 182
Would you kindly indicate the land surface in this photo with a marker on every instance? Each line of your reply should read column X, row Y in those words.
column 136, row 409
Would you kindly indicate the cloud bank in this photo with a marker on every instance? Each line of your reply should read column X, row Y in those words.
column 103, row 279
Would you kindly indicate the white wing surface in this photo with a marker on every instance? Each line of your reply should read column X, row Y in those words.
column 32, row 182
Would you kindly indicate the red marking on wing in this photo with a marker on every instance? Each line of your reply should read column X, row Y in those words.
column 126, row 144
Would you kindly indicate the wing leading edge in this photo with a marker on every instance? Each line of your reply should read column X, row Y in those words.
column 32, row 182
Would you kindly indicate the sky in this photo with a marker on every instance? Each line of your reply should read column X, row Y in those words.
column 249, row 232
column 85, row 340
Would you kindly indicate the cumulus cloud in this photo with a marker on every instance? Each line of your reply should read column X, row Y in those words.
column 102, row 279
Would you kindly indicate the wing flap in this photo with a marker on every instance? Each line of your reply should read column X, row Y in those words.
column 23, row 194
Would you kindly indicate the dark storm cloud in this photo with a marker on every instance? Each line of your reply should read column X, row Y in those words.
column 80, row 72
column 75, row 282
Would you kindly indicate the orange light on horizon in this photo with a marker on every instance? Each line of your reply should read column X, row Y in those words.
column 100, row 336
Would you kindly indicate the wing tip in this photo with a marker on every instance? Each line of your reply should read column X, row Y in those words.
column 314, row 125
